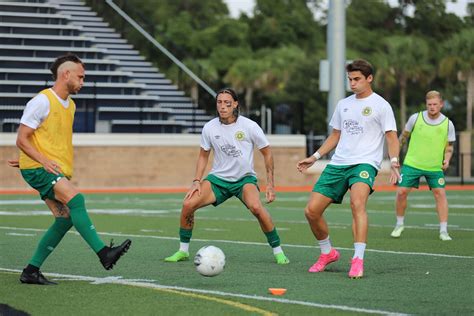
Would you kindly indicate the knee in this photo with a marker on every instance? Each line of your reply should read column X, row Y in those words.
column 402, row 195
column 310, row 214
column 357, row 206
column 256, row 209
column 188, row 207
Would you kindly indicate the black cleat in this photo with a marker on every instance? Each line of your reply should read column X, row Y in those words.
column 35, row 278
column 110, row 255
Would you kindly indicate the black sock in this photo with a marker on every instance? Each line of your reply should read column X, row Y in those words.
column 31, row 268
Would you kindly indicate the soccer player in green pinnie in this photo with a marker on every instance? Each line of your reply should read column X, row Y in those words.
column 429, row 151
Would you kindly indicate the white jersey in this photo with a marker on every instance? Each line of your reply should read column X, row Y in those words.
column 363, row 123
column 412, row 120
column 233, row 146
column 37, row 109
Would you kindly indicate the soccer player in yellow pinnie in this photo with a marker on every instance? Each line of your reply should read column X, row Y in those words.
column 46, row 163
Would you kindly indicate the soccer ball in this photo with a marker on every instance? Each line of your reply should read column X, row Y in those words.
column 209, row 261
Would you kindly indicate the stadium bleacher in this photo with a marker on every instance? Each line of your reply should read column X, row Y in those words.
column 123, row 91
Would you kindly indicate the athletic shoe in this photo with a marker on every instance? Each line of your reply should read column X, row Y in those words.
column 444, row 236
column 109, row 255
column 397, row 231
column 178, row 256
column 35, row 278
column 281, row 258
column 357, row 268
column 324, row 260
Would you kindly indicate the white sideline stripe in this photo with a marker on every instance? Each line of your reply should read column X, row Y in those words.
column 18, row 234
column 146, row 284
column 253, row 243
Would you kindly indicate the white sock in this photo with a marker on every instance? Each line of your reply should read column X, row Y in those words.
column 184, row 246
column 325, row 246
column 443, row 227
column 400, row 220
column 359, row 248
column 277, row 250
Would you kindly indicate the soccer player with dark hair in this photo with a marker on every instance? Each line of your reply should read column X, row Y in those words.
column 46, row 163
column 360, row 124
column 233, row 138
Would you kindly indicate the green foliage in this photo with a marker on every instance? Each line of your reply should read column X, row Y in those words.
column 272, row 56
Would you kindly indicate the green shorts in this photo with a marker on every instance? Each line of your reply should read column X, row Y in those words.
column 224, row 190
column 411, row 178
column 42, row 181
column 336, row 180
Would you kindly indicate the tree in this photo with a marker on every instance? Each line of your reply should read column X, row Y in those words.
column 404, row 59
column 459, row 61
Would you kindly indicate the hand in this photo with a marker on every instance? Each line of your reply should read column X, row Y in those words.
column 394, row 172
column 195, row 187
column 15, row 163
column 304, row 164
column 52, row 166
column 270, row 194
column 445, row 165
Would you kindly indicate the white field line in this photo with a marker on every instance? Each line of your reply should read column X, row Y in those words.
column 250, row 243
column 166, row 213
column 148, row 284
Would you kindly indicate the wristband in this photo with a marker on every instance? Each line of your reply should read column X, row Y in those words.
column 317, row 155
column 394, row 160
column 198, row 180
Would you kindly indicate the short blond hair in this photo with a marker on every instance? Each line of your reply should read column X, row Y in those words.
column 433, row 94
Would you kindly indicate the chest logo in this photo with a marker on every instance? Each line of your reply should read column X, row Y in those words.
column 367, row 111
column 240, row 135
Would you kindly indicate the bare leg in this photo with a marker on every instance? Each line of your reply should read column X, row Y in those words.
column 441, row 204
column 401, row 200
column 314, row 210
column 251, row 198
column 194, row 203
column 359, row 196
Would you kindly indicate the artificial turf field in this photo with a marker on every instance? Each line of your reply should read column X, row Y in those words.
column 416, row 274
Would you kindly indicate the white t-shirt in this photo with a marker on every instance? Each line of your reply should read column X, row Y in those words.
column 363, row 123
column 412, row 120
column 233, row 146
column 37, row 109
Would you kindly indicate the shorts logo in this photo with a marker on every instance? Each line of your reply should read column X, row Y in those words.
column 441, row 181
column 364, row 174
column 239, row 135
column 367, row 111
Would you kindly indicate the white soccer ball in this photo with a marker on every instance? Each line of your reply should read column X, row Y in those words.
column 209, row 261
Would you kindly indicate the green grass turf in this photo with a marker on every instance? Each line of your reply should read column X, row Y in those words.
column 416, row 274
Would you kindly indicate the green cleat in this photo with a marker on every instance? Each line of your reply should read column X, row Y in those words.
column 281, row 258
column 397, row 231
column 444, row 236
column 178, row 256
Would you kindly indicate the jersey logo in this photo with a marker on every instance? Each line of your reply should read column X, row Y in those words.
column 231, row 150
column 364, row 174
column 367, row 111
column 352, row 127
column 240, row 135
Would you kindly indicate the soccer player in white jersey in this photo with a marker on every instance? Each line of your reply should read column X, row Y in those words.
column 359, row 124
column 232, row 137
column 431, row 136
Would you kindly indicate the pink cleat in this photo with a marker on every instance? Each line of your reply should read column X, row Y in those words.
column 324, row 260
column 357, row 268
